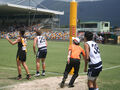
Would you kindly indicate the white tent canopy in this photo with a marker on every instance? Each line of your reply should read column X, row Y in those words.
column 7, row 8
column 32, row 3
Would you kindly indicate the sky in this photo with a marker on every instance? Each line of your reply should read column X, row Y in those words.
column 78, row 0
column 88, row 10
column 95, row 10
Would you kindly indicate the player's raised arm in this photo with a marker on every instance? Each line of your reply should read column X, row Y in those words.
column 34, row 44
column 12, row 42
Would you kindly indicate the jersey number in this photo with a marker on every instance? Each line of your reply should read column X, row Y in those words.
column 42, row 40
column 96, row 49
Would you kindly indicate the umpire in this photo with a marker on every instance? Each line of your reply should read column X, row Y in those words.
column 73, row 61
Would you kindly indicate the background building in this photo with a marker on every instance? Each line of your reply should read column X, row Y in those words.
column 95, row 26
column 25, row 13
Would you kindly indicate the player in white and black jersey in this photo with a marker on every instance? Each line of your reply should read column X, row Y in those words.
column 42, row 52
column 93, row 59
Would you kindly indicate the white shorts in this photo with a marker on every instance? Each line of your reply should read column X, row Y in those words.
column 92, row 78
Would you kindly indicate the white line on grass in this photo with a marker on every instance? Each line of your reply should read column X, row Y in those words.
column 31, row 70
column 61, row 73
column 83, row 73
column 10, row 86
column 111, row 68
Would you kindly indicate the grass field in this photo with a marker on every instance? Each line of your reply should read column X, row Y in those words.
column 55, row 63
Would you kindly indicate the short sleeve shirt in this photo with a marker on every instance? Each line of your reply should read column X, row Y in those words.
column 76, row 51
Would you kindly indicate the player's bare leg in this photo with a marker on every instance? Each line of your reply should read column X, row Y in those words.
column 43, row 63
column 37, row 67
column 25, row 67
column 27, row 70
column 90, row 85
column 19, row 69
column 95, row 85
column 43, row 66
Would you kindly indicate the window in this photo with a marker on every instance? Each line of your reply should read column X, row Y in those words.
column 106, row 24
column 89, row 25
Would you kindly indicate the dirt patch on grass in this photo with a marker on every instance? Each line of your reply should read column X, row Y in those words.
column 52, row 83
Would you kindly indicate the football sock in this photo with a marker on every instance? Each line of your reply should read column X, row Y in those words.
column 43, row 71
column 19, row 75
column 91, row 88
column 37, row 72
column 96, row 89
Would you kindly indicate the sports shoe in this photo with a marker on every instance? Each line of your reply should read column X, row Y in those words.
column 37, row 75
column 62, row 84
column 19, row 77
column 70, row 86
column 28, row 76
column 43, row 73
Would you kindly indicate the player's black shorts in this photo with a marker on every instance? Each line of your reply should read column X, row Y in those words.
column 94, row 72
column 41, row 53
column 21, row 55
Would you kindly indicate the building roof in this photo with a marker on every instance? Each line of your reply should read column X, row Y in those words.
column 84, row 22
column 14, row 9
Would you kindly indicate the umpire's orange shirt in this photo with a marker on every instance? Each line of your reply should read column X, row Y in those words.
column 76, row 50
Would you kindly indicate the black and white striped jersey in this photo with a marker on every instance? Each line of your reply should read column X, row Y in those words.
column 41, row 43
column 95, row 58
